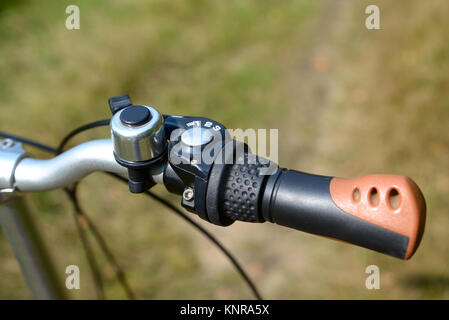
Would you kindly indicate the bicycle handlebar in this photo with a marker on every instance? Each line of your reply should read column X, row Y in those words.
column 66, row 168
column 30, row 175
column 385, row 213
column 342, row 209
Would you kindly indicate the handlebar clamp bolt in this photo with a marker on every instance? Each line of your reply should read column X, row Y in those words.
column 7, row 143
column 188, row 194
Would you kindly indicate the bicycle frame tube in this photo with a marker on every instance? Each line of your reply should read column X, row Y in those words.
column 29, row 250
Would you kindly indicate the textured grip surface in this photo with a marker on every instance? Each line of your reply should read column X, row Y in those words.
column 243, row 184
column 406, row 216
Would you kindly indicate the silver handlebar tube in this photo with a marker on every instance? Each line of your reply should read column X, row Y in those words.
column 67, row 168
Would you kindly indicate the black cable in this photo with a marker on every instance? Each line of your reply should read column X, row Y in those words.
column 72, row 193
column 80, row 221
column 166, row 203
column 78, row 215
column 200, row 228
column 28, row 142
column 78, row 130
column 120, row 274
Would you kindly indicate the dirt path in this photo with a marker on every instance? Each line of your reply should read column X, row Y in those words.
column 312, row 87
column 309, row 90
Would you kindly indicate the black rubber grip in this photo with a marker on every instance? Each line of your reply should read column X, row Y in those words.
column 242, row 190
column 303, row 201
column 292, row 199
column 235, row 188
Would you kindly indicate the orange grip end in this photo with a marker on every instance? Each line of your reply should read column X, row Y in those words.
column 390, row 201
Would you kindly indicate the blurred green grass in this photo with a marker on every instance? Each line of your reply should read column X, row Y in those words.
column 348, row 101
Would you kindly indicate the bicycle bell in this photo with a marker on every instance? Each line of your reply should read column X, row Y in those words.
column 138, row 138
